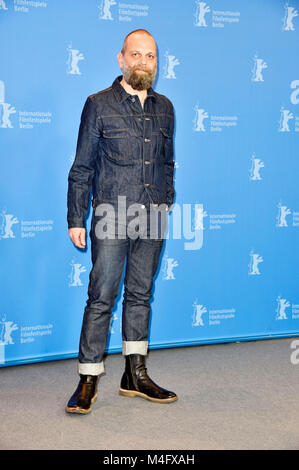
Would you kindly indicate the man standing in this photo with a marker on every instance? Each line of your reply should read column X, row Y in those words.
column 124, row 151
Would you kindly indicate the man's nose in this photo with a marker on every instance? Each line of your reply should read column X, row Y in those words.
column 143, row 60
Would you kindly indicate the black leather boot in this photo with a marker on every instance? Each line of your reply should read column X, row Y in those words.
column 136, row 382
column 85, row 394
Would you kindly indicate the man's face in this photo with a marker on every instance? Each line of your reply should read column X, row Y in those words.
column 139, row 61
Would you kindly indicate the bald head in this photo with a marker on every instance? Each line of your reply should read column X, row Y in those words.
column 138, row 34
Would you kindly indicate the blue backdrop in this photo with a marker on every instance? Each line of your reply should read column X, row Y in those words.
column 230, row 68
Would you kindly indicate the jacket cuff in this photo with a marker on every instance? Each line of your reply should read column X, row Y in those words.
column 76, row 222
column 169, row 201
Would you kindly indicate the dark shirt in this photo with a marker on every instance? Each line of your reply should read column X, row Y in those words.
column 122, row 150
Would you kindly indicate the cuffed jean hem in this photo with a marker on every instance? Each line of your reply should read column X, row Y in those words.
column 91, row 368
column 134, row 347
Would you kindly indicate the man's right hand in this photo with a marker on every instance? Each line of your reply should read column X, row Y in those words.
column 77, row 236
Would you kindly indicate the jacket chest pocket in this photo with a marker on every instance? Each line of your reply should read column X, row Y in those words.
column 116, row 146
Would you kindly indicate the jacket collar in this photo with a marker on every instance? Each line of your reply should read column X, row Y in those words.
column 121, row 93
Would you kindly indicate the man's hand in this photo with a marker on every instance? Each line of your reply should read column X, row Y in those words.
column 77, row 236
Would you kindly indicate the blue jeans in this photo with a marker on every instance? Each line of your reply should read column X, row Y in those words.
column 142, row 255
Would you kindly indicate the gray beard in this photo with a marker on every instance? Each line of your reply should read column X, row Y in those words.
column 136, row 81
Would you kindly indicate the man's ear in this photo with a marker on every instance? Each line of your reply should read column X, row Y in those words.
column 120, row 59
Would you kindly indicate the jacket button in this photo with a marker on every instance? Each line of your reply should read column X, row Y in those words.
column 146, row 184
column 147, row 140
column 146, row 162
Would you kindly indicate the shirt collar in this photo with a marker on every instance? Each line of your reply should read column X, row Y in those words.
column 121, row 93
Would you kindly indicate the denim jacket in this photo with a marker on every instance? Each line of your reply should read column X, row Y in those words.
column 122, row 150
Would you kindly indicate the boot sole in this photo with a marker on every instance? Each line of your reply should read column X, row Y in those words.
column 81, row 411
column 133, row 393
